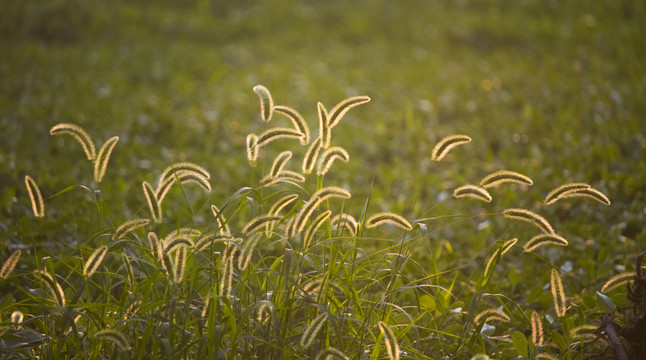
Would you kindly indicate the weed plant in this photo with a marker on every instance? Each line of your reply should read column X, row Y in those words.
column 289, row 269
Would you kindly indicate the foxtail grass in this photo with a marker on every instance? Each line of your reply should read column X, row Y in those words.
column 558, row 192
column 52, row 286
column 492, row 314
column 311, row 156
column 153, row 202
column 79, row 135
column 128, row 227
column 446, row 144
column 530, row 217
column 388, row 218
column 558, row 293
column 94, row 261
column 537, row 329
column 277, row 133
column 591, row 193
column 347, row 221
column 328, row 156
column 504, row 176
column 544, row 239
column 472, row 191
column 390, row 340
column 103, row 157
column 10, row 264
column 617, row 281
column 297, row 120
column 252, row 149
column 324, row 126
column 266, row 102
column 315, row 326
column 508, row 245
column 280, row 162
column 37, row 203
column 340, row 109
column 308, row 237
column 114, row 337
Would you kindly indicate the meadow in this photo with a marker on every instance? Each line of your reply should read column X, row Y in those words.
column 177, row 222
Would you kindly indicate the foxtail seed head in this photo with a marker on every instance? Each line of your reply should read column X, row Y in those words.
column 266, row 102
column 492, row 314
column 543, row 239
column 94, row 261
column 504, row 176
column 537, row 329
column 10, row 264
column 328, row 156
column 530, row 217
column 347, row 221
column 324, row 127
column 557, row 193
column 388, row 218
column 591, row 193
column 297, row 120
column 153, row 203
column 37, row 203
column 79, row 134
column 311, row 230
column 445, row 145
column 279, row 163
column 392, row 346
column 311, row 155
column 252, row 149
column 558, row 293
column 508, row 245
column 101, row 162
column 312, row 330
column 340, row 109
column 277, row 133
column 472, row 191
column 128, row 227
column 618, row 280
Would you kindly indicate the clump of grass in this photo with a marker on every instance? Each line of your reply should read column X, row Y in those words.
column 287, row 269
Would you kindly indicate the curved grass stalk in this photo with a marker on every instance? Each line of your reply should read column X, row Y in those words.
column 530, row 217
column 556, row 194
column 297, row 120
column 222, row 225
column 328, row 156
column 128, row 227
column 37, row 203
column 340, row 109
column 252, row 149
column 504, row 176
column 266, row 102
column 324, row 127
column 153, row 203
column 170, row 171
column 445, row 145
column 10, row 264
column 392, row 346
column 346, row 220
column 103, row 157
column 537, row 329
column 115, row 337
column 311, row 230
column 591, row 193
column 95, row 260
column 544, row 239
column 312, row 330
column 311, row 155
column 492, row 314
column 79, row 134
column 388, row 218
column 472, row 191
column 558, row 293
column 277, row 133
column 508, row 245
column 279, row 163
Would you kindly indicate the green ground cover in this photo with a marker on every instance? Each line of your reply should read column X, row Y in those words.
column 549, row 89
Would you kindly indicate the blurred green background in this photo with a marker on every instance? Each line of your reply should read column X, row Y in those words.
column 553, row 89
